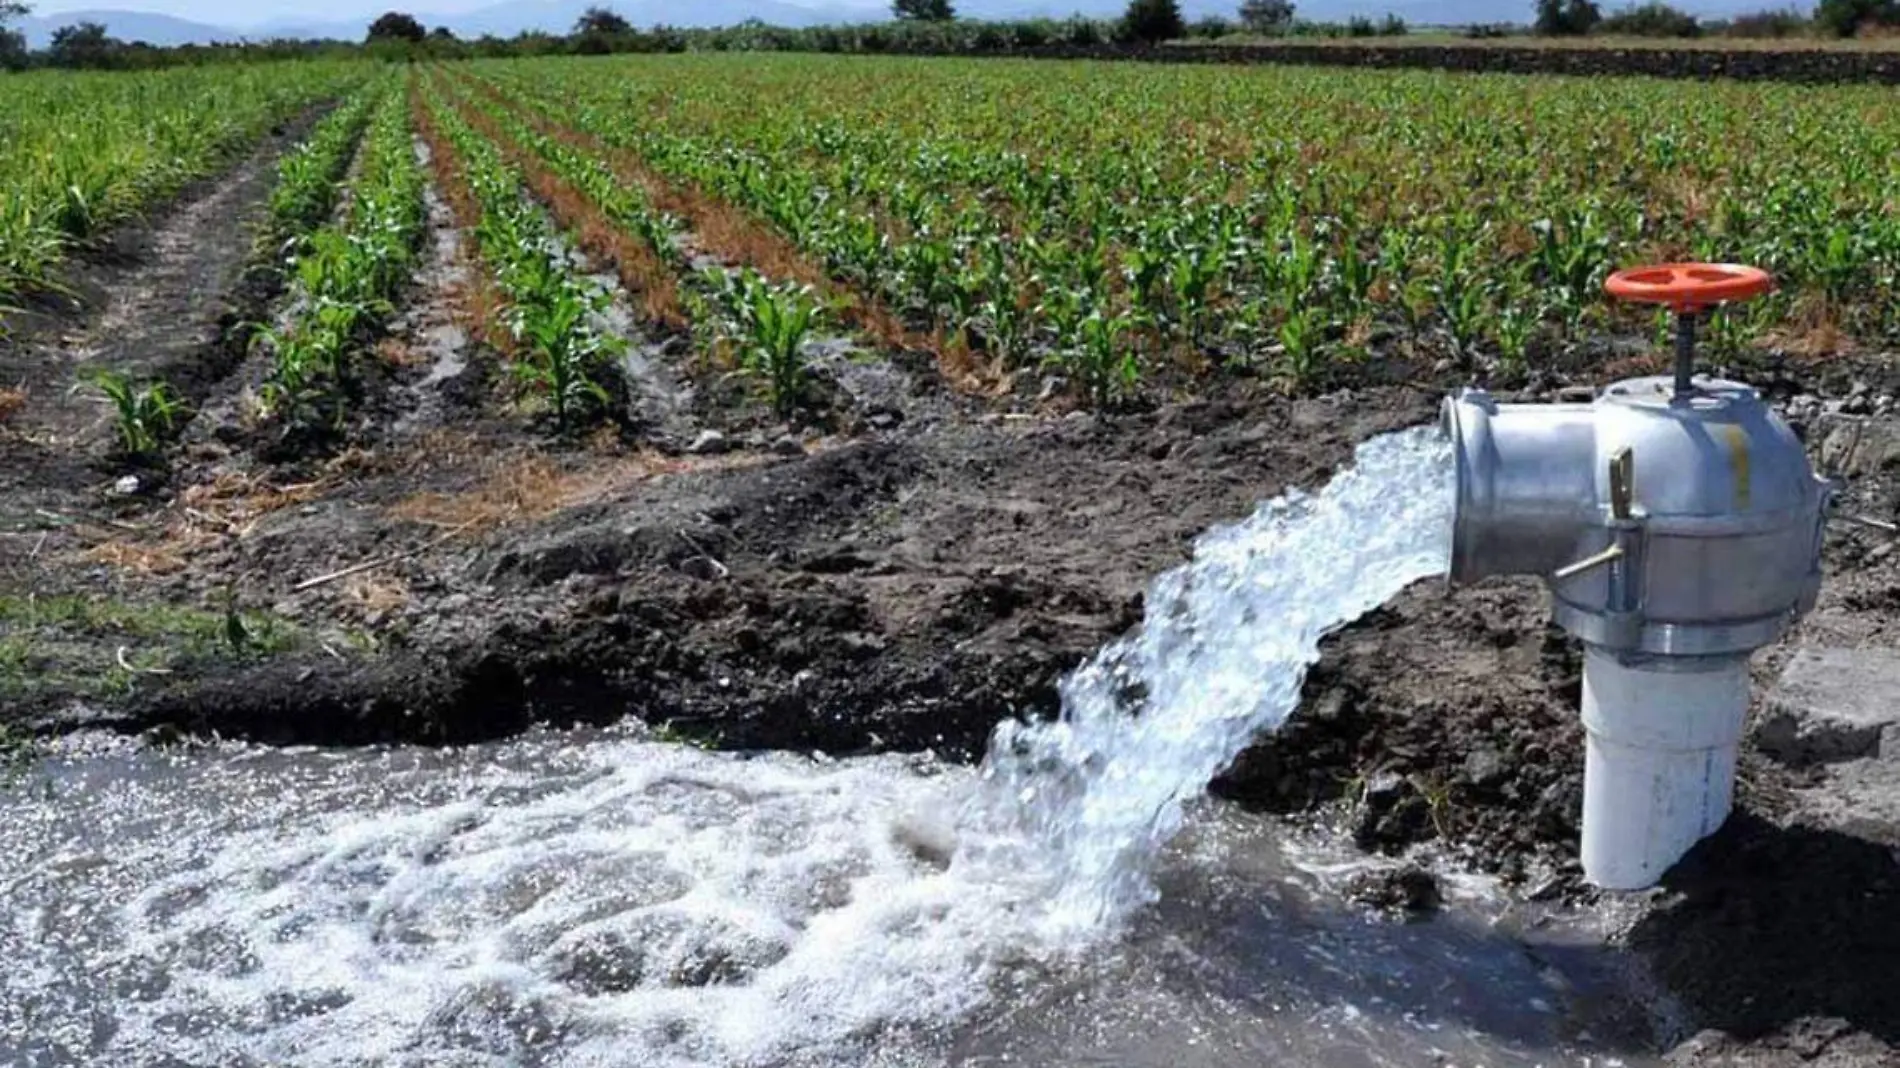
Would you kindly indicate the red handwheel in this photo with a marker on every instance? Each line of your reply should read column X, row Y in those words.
column 1689, row 286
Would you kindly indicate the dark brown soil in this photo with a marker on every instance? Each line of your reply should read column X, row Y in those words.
column 444, row 570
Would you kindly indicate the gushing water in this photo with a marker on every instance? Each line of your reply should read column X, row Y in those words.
column 578, row 900
column 1218, row 660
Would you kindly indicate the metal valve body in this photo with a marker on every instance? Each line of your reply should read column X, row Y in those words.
column 1670, row 524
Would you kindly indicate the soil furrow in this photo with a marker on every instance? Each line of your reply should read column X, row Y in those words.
column 731, row 235
column 170, row 306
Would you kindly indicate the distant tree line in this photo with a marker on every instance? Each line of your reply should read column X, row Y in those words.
column 1654, row 18
column 919, row 26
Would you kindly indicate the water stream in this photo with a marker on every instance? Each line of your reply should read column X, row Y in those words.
column 600, row 898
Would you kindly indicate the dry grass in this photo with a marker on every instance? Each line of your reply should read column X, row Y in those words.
column 531, row 486
column 11, row 401
column 375, row 597
column 143, row 559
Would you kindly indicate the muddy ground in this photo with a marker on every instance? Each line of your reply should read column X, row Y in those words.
column 902, row 573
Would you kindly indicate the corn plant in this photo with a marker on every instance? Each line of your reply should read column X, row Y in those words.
column 146, row 413
column 81, row 152
column 780, row 319
column 345, row 276
column 1101, row 360
column 566, row 356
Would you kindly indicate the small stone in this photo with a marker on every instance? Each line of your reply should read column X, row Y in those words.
column 1405, row 889
column 707, row 443
column 788, row 446
column 126, row 486
column 1860, row 446
column 1858, row 404
column 1484, row 766
column 1051, row 385
column 1831, row 704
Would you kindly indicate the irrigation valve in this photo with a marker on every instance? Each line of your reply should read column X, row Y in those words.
column 1678, row 525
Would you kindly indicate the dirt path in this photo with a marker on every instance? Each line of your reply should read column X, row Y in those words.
column 156, row 302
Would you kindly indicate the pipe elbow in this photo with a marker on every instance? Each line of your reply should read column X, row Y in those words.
column 1526, row 485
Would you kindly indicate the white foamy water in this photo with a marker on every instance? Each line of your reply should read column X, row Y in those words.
column 1218, row 660
column 606, row 900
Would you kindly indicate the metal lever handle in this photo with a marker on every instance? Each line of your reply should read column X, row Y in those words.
column 1622, row 507
column 1572, row 570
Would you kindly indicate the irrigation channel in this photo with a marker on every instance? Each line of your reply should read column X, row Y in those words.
column 608, row 898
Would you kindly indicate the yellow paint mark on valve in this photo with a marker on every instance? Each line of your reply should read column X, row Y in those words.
column 1738, row 463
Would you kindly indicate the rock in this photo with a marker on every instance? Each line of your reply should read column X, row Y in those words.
column 1409, row 888
column 1051, row 385
column 708, row 443
column 126, row 487
column 1860, row 446
column 1831, row 705
column 788, row 446
column 1484, row 766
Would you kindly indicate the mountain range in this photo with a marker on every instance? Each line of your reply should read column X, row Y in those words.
column 510, row 17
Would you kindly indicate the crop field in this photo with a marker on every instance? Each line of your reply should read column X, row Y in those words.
column 1112, row 220
column 1115, row 224
column 79, row 152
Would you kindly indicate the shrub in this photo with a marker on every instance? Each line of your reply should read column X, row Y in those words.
column 1786, row 22
column 1566, row 18
column 1153, row 21
column 1211, row 28
column 1361, row 26
column 1266, row 16
column 1652, row 19
column 1845, row 18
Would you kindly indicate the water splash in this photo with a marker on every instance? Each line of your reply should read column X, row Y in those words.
column 1218, row 660
column 576, row 900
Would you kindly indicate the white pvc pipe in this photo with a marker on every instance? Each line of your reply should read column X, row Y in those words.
column 1659, row 767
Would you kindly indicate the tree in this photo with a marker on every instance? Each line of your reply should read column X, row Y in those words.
column 1266, row 16
column 1567, row 18
column 12, row 42
column 83, row 44
column 601, row 22
column 1845, row 18
column 923, row 10
column 396, row 26
column 1152, row 21
column 1651, row 19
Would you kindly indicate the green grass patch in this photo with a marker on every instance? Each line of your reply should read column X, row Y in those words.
column 92, row 647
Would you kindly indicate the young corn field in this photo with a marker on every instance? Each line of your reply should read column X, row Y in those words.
column 1112, row 224
column 81, row 152
column 1111, row 220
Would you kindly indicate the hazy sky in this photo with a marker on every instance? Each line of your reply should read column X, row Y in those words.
column 238, row 13
column 256, row 12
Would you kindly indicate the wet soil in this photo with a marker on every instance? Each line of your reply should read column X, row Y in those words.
column 446, row 570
